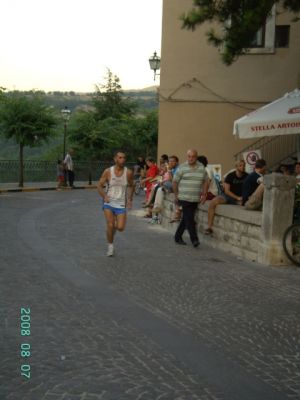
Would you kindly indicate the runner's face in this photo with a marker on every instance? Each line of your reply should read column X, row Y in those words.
column 120, row 159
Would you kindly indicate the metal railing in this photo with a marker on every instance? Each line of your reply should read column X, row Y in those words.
column 45, row 171
column 275, row 150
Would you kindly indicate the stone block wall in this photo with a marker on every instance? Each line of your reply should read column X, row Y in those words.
column 236, row 230
column 252, row 235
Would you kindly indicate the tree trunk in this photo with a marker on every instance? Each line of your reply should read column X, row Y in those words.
column 21, row 166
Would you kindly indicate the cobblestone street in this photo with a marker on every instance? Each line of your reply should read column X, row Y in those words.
column 155, row 322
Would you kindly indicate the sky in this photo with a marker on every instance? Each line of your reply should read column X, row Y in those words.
column 69, row 44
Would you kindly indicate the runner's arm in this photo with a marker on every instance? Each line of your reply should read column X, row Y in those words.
column 101, row 184
column 130, row 187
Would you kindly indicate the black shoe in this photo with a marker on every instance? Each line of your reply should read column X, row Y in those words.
column 180, row 241
column 196, row 243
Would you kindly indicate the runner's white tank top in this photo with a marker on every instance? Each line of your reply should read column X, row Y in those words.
column 117, row 187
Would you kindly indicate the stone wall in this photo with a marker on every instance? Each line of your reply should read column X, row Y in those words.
column 236, row 230
column 251, row 235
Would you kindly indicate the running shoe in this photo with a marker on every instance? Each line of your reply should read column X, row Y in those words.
column 110, row 250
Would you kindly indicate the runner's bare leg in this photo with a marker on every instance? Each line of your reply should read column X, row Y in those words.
column 110, row 225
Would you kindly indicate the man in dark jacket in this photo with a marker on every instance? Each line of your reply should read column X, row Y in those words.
column 253, row 180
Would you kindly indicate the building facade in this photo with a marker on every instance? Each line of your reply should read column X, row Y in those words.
column 200, row 97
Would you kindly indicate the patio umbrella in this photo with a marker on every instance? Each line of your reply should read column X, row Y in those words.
column 281, row 117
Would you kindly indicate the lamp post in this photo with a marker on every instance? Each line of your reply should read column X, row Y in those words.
column 154, row 62
column 65, row 112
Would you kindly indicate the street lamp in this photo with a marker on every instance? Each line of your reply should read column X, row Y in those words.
column 65, row 112
column 154, row 62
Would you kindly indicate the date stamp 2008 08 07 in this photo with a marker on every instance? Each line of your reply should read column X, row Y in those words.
column 25, row 347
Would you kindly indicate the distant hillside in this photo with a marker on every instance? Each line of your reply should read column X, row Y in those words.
column 145, row 98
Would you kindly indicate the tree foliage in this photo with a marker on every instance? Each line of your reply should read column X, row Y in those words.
column 112, row 124
column 27, row 120
column 240, row 20
column 109, row 99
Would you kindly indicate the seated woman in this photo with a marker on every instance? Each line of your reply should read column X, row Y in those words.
column 212, row 188
column 151, row 174
column 166, row 183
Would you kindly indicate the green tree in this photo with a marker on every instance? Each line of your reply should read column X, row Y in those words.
column 109, row 99
column 146, row 134
column 112, row 124
column 240, row 20
column 27, row 120
column 98, row 131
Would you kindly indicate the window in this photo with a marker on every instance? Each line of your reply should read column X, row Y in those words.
column 282, row 35
column 264, row 40
column 265, row 37
column 259, row 38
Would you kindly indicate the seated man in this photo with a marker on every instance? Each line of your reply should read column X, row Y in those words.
column 232, row 192
column 255, row 200
column 253, row 180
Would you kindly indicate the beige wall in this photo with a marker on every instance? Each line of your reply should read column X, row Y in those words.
column 205, row 127
column 198, row 93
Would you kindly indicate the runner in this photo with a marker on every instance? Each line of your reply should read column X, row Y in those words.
column 116, row 179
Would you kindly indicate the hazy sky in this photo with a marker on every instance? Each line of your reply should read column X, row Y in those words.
column 67, row 44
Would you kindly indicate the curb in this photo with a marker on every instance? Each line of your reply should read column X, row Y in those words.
column 35, row 189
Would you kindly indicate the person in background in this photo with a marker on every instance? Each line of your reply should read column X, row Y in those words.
column 151, row 174
column 253, row 180
column 139, row 168
column 189, row 182
column 165, row 186
column 60, row 174
column 212, row 188
column 297, row 172
column 68, row 161
column 164, row 159
column 286, row 169
column 232, row 192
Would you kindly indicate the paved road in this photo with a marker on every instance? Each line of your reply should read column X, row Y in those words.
column 156, row 322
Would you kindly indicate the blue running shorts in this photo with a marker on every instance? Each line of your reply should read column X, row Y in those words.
column 114, row 210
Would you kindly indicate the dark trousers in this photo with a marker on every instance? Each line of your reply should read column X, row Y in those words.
column 70, row 177
column 187, row 220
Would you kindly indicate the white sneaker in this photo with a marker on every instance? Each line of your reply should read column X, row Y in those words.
column 110, row 250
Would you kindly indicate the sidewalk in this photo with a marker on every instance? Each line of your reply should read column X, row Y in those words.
column 35, row 186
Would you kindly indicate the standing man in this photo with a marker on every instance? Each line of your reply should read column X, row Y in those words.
column 189, row 182
column 70, row 167
column 116, row 198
